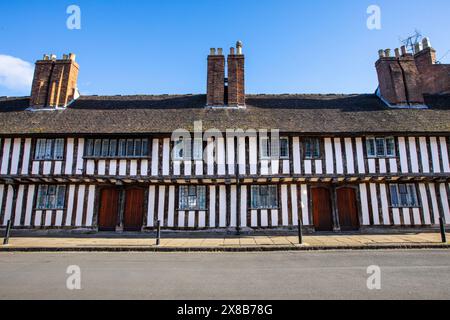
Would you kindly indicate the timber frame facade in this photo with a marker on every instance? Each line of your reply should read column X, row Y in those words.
column 336, row 162
column 343, row 164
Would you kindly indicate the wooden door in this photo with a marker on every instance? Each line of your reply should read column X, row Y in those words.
column 347, row 209
column 322, row 214
column 109, row 209
column 134, row 210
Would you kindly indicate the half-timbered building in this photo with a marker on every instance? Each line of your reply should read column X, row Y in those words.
column 228, row 160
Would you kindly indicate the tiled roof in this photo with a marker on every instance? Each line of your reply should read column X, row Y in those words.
column 307, row 114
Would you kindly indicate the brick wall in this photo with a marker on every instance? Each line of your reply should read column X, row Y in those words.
column 399, row 80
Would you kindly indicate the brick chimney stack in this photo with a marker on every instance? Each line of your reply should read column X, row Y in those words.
column 216, row 78
column 435, row 77
column 55, row 82
column 406, row 78
column 399, row 78
column 236, row 77
column 222, row 91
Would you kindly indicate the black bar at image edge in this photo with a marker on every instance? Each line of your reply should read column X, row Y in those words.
column 230, row 309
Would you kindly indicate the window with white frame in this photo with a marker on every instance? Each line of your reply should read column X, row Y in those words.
column 182, row 149
column 380, row 147
column 403, row 195
column 284, row 147
column 178, row 150
column 192, row 198
column 198, row 149
column 116, row 148
column 311, row 147
column 49, row 149
column 267, row 150
column 51, row 197
column 264, row 197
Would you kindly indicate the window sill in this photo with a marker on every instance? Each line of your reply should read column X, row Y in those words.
column 192, row 210
column 406, row 207
column 37, row 209
column 49, row 160
column 385, row 157
column 264, row 208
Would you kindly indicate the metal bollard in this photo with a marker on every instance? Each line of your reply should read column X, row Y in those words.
column 442, row 225
column 8, row 230
column 300, row 232
column 158, row 232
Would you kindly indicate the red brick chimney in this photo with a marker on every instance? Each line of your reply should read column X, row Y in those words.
column 236, row 77
column 54, row 82
column 216, row 78
column 399, row 79
column 435, row 77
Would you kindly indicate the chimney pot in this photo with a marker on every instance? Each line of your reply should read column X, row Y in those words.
column 239, row 47
column 381, row 53
column 65, row 57
column 72, row 56
column 212, row 51
column 387, row 53
column 418, row 47
column 232, row 52
column 46, row 57
column 220, row 51
column 53, row 57
column 426, row 43
column 403, row 49
column 397, row 52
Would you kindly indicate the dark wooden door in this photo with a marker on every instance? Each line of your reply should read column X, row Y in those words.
column 347, row 209
column 321, row 203
column 134, row 210
column 109, row 209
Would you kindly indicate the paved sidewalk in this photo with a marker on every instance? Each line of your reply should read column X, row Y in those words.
column 213, row 242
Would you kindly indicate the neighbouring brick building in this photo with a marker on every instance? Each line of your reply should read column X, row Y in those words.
column 333, row 162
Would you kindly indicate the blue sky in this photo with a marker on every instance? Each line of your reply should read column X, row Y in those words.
column 160, row 46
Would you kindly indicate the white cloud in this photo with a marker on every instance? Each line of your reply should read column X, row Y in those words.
column 15, row 74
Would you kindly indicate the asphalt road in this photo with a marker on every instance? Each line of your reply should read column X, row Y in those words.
column 283, row 275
